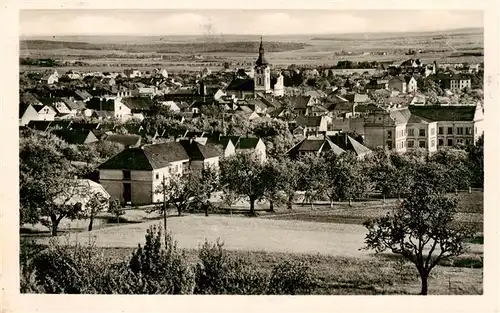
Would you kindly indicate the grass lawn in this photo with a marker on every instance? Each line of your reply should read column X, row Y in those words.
column 337, row 275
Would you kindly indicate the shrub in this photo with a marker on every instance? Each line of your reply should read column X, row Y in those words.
column 71, row 269
column 291, row 278
column 161, row 269
column 217, row 273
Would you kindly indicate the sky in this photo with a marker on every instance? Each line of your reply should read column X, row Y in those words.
column 244, row 22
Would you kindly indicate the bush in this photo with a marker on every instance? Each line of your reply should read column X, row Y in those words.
column 217, row 273
column 291, row 278
column 70, row 269
column 161, row 269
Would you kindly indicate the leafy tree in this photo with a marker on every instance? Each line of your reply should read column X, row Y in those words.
column 47, row 182
column 313, row 178
column 345, row 177
column 476, row 162
column 208, row 183
column 242, row 173
column 161, row 269
column 455, row 163
column 178, row 190
column 423, row 230
column 96, row 203
column 115, row 208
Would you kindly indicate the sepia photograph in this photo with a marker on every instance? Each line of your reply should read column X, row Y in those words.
column 251, row 152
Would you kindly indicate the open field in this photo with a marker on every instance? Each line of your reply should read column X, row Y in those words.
column 454, row 46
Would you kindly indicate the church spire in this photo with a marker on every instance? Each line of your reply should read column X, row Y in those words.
column 261, row 60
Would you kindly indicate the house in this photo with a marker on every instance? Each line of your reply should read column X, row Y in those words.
column 456, row 125
column 386, row 129
column 45, row 112
column 452, row 82
column 312, row 124
column 418, row 100
column 135, row 174
column 82, row 95
column 301, row 104
column 77, row 137
column 348, row 143
column 27, row 113
column 245, row 144
column 377, row 84
column 411, row 84
column 148, row 91
column 398, row 83
column 421, row 134
column 225, row 143
column 241, row 88
column 128, row 141
column 202, row 155
column 76, row 107
column 132, row 73
column 50, row 78
column 108, row 81
column 313, row 146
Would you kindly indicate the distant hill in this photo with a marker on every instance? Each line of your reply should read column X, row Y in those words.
column 191, row 47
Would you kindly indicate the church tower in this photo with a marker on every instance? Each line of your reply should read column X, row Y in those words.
column 262, row 76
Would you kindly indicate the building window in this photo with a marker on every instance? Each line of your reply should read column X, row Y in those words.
column 440, row 142
column 126, row 175
column 410, row 144
column 460, row 130
column 450, row 142
column 468, row 131
column 433, row 143
column 411, row 132
column 467, row 141
column 460, row 141
column 157, row 176
column 421, row 144
column 421, row 132
column 450, row 130
column 440, row 130
column 389, row 134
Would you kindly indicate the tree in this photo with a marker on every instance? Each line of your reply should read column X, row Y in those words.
column 97, row 202
column 455, row 163
column 115, row 208
column 178, row 190
column 423, row 230
column 208, row 183
column 345, row 177
column 47, row 181
column 476, row 162
column 242, row 173
column 313, row 177
column 286, row 178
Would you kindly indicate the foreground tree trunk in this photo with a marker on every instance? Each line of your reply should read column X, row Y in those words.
column 424, row 277
column 252, row 206
column 271, row 205
column 350, row 202
column 331, row 204
column 289, row 202
column 54, row 225
column 91, row 222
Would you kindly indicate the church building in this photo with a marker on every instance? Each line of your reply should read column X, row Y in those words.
column 245, row 86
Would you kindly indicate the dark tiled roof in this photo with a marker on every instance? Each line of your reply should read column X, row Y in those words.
column 309, row 121
column 199, row 152
column 444, row 113
column 242, row 84
column 75, row 136
column 29, row 98
column 147, row 157
column 299, row 102
column 85, row 126
column 140, row 104
column 74, row 105
column 346, row 142
column 101, row 105
column 82, row 94
column 357, row 97
column 39, row 125
column 247, row 143
column 126, row 140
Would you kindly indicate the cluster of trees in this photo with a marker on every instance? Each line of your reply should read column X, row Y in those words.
column 158, row 267
column 39, row 62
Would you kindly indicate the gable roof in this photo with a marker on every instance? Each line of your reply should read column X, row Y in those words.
column 247, row 143
column 444, row 113
column 314, row 145
column 241, row 84
column 39, row 125
column 348, row 143
column 72, row 136
column 147, row 157
column 299, row 102
column 126, row 140
column 357, row 97
column 140, row 103
column 199, row 152
column 400, row 116
column 309, row 121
